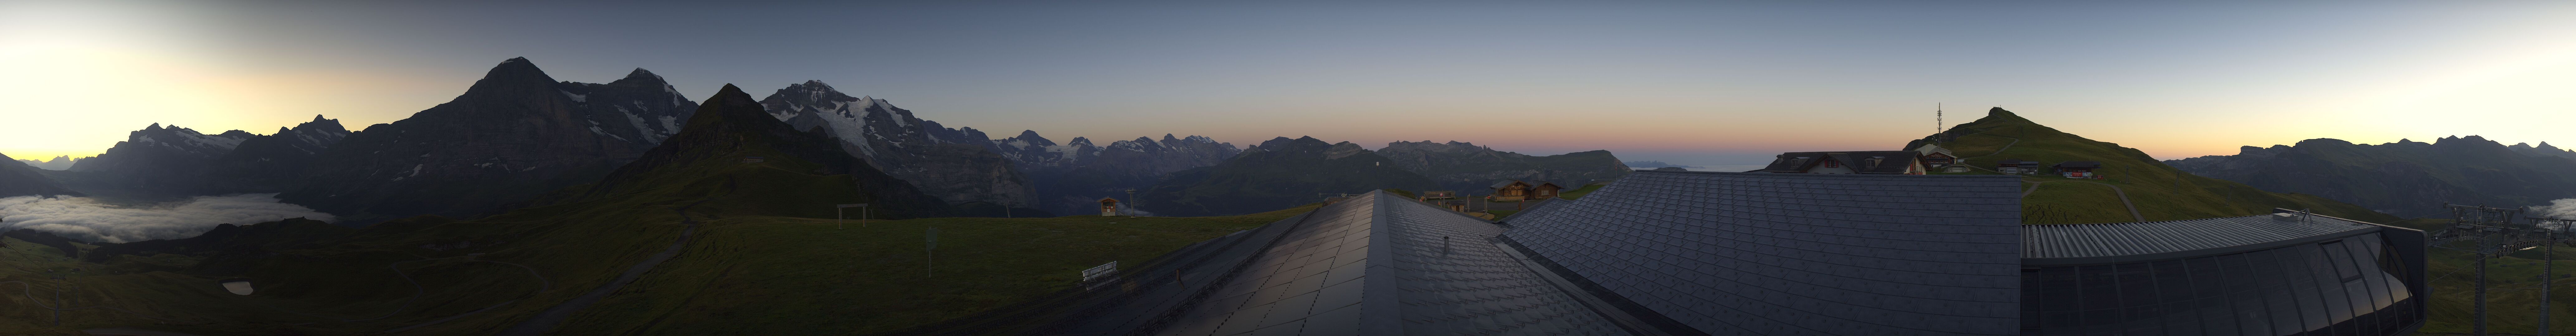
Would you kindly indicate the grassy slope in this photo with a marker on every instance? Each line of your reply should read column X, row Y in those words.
column 779, row 275
column 762, row 251
column 2160, row 191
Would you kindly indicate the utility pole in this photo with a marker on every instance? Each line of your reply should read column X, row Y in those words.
column 931, row 244
column 1131, row 204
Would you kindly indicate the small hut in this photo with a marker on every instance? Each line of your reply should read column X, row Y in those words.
column 1508, row 191
column 1539, row 190
column 2017, row 166
column 2078, row 169
column 1108, row 206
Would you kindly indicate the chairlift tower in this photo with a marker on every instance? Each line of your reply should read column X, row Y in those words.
column 2499, row 231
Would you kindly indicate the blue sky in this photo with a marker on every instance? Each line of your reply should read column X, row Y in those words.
column 1690, row 83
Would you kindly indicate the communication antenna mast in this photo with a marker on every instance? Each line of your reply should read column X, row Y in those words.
column 1937, row 124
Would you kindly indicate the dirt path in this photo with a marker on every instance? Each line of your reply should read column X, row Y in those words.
column 2115, row 190
column 556, row 315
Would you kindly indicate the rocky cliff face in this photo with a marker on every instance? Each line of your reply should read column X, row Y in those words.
column 19, row 179
column 158, row 162
column 960, row 166
column 274, row 162
column 2404, row 178
column 515, row 133
column 1069, row 177
column 1468, row 168
column 802, row 172
column 1274, row 175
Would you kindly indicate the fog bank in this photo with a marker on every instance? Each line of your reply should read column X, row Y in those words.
column 85, row 219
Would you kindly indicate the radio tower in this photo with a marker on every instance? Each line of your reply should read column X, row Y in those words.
column 1937, row 124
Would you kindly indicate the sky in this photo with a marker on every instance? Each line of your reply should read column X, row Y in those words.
column 1686, row 83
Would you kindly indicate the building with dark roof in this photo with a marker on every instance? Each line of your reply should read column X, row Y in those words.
column 2078, row 169
column 2017, row 166
column 1861, row 162
column 2278, row 274
column 1711, row 253
column 1794, row 254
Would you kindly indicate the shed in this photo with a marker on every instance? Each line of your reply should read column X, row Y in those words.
column 1108, row 206
column 2078, row 169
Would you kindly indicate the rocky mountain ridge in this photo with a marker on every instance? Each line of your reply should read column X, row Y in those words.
column 19, row 179
column 512, row 135
column 63, row 162
column 960, row 166
column 1069, row 177
column 2404, row 178
column 1468, row 168
column 1277, row 174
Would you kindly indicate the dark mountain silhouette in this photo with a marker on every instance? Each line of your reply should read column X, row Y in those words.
column 1469, row 169
column 797, row 172
column 960, row 166
column 1274, row 175
column 2160, row 192
column 1071, row 176
column 2405, row 178
column 19, row 179
column 514, row 134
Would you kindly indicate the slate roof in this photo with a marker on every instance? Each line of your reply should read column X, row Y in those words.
column 1504, row 183
column 2015, row 162
column 1378, row 265
column 2112, row 242
column 1794, row 254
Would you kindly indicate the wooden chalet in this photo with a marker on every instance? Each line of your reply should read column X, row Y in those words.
column 1936, row 157
column 2078, row 169
column 1108, row 206
column 1517, row 190
column 1862, row 162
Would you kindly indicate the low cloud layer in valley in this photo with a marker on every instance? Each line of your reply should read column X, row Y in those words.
column 2565, row 208
column 85, row 219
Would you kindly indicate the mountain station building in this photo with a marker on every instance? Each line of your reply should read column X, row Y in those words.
column 1717, row 253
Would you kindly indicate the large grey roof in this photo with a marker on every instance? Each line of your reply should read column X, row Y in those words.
column 1774, row 254
column 2113, row 242
column 1377, row 265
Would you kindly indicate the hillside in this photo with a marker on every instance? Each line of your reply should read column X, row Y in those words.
column 2160, row 191
column 2404, row 177
column 1274, row 175
column 514, row 134
column 750, row 243
column 19, row 179
column 1469, row 169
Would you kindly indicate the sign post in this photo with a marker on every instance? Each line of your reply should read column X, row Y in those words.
column 837, row 216
column 932, row 243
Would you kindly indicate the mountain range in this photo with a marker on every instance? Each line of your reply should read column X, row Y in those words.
column 517, row 137
column 19, row 179
column 2406, row 177
column 2131, row 179
column 1070, row 177
column 961, row 166
column 1277, row 174
column 64, row 162
column 1469, row 169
